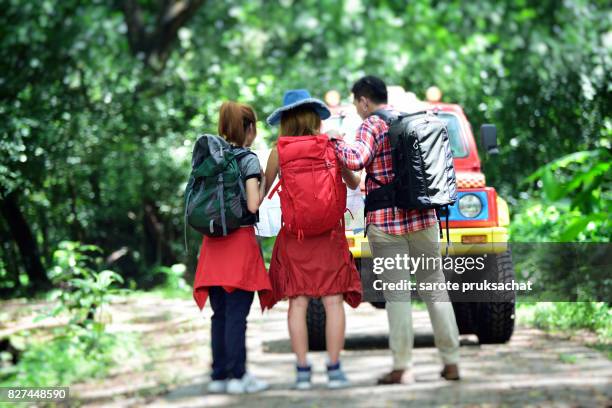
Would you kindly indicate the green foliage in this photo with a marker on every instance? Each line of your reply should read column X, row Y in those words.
column 267, row 245
column 173, row 283
column 574, row 203
column 569, row 202
column 68, row 358
column 568, row 316
column 82, row 349
column 82, row 291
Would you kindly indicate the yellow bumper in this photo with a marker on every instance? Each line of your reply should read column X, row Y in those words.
column 489, row 240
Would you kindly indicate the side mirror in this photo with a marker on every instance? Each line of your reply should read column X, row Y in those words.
column 488, row 136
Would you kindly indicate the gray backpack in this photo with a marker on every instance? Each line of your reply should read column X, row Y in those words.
column 424, row 174
column 422, row 164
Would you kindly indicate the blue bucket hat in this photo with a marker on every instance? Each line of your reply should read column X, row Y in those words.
column 298, row 97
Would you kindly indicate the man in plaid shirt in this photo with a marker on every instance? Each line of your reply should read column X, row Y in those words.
column 394, row 231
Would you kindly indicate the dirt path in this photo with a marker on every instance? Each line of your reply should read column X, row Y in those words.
column 533, row 369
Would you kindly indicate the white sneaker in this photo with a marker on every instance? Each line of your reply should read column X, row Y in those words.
column 247, row 384
column 217, row 386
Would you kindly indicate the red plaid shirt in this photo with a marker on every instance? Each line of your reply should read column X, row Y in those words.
column 372, row 151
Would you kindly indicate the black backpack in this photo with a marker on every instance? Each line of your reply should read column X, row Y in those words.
column 422, row 164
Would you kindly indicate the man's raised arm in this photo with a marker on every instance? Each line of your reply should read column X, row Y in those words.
column 358, row 155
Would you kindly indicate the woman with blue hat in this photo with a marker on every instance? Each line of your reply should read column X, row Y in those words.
column 311, row 258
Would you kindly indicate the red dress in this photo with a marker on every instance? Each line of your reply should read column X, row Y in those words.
column 313, row 266
column 233, row 262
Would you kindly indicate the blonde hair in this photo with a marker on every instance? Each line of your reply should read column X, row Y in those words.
column 234, row 120
column 300, row 121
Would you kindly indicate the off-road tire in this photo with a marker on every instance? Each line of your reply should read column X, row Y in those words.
column 464, row 314
column 315, row 324
column 379, row 305
column 495, row 320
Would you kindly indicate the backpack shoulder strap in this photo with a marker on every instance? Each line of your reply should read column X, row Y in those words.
column 391, row 119
column 241, row 155
column 388, row 116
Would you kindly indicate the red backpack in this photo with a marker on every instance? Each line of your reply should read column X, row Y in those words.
column 312, row 194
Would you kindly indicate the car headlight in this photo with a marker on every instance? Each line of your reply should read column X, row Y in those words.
column 470, row 205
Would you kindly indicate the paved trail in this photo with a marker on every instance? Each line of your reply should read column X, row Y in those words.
column 533, row 369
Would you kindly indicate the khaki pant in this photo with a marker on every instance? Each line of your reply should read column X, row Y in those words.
column 423, row 243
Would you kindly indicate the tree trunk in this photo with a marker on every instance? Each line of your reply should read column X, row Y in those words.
column 155, row 43
column 10, row 261
column 158, row 249
column 23, row 237
column 75, row 226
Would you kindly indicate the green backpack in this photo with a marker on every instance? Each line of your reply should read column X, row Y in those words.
column 215, row 194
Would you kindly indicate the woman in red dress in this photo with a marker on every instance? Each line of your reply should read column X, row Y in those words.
column 230, row 268
column 317, row 266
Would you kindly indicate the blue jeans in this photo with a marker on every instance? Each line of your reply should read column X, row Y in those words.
column 228, row 331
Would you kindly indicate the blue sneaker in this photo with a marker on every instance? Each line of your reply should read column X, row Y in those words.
column 336, row 377
column 303, row 377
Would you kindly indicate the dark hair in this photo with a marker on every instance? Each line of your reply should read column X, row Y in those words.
column 234, row 120
column 372, row 88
